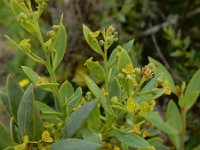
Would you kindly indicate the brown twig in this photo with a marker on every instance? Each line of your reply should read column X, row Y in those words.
column 164, row 60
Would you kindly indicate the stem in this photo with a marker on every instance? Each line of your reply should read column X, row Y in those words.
column 138, row 87
column 58, row 101
column 106, row 69
column 183, row 113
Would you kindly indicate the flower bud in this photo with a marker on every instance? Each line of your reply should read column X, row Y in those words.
column 101, row 42
column 55, row 28
column 114, row 100
column 51, row 34
column 119, row 48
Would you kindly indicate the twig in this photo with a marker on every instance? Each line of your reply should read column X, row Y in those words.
column 163, row 58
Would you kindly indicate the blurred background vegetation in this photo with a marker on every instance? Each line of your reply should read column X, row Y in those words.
column 168, row 30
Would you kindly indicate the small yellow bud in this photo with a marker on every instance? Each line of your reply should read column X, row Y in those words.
column 116, row 148
column 145, row 134
column 24, row 82
column 136, row 129
column 51, row 34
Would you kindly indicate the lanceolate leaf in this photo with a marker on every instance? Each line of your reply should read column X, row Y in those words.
column 98, row 94
column 15, row 93
column 5, row 101
column 194, row 84
column 159, row 68
column 60, row 45
column 75, row 144
column 78, row 118
column 92, row 41
column 132, row 140
column 115, row 89
column 174, row 119
column 188, row 100
column 127, row 46
column 32, row 75
column 96, row 69
column 5, row 139
column 29, row 120
column 66, row 90
column 156, row 120
column 123, row 60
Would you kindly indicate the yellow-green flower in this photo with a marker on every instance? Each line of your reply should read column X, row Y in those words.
column 23, row 146
column 48, row 124
column 104, row 91
column 95, row 34
column 167, row 87
column 25, row 44
column 129, row 69
column 131, row 105
column 152, row 103
column 46, row 137
column 145, row 108
column 147, row 71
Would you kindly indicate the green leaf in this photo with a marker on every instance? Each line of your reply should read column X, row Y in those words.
column 194, row 83
column 96, row 69
column 5, row 101
column 29, row 120
column 132, row 140
column 188, row 100
column 43, row 107
column 159, row 68
column 94, row 120
column 91, row 136
column 60, row 45
column 32, row 75
column 5, row 139
column 92, row 41
column 15, row 93
column 47, row 86
column 47, row 113
column 74, row 144
column 113, row 57
column 74, row 100
column 123, row 60
column 156, row 120
column 66, row 90
column 115, row 89
column 173, row 116
column 98, row 94
column 155, row 141
column 127, row 46
column 78, row 118
column 174, row 119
